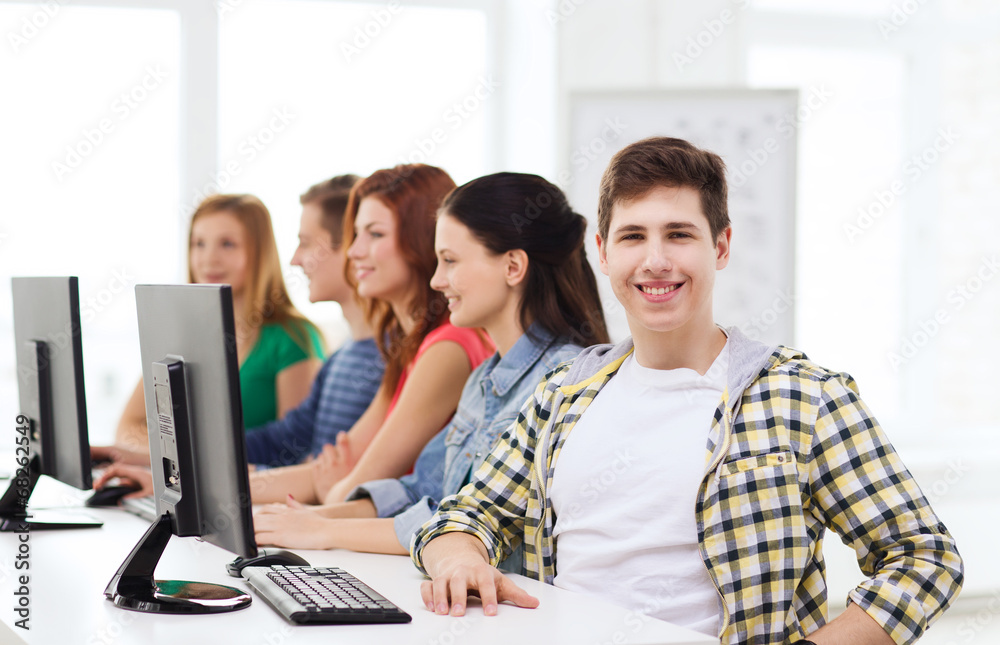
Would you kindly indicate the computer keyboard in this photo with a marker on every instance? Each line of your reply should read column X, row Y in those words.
column 321, row 595
column 144, row 507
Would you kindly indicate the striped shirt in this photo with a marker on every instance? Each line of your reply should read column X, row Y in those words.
column 342, row 391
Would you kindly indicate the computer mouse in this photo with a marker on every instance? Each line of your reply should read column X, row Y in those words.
column 266, row 558
column 110, row 495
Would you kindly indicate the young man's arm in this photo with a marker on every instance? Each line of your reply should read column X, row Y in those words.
column 853, row 627
column 862, row 490
column 287, row 440
column 478, row 527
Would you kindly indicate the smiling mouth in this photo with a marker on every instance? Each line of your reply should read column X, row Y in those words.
column 659, row 291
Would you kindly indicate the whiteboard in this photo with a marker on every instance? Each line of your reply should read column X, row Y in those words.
column 755, row 132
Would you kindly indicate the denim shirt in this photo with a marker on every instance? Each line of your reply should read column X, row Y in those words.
column 490, row 402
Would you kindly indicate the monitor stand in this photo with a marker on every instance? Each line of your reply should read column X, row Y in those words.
column 15, row 515
column 133, row 586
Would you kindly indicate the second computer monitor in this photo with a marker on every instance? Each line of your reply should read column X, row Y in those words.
column 50, row 375
column 51, row 425
column 190, row 379
column 190, row 376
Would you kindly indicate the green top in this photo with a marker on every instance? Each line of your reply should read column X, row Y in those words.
column 274, row 351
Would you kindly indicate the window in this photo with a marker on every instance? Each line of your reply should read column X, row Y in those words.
column 339, row 87
column 90, row 169
column 122, row 128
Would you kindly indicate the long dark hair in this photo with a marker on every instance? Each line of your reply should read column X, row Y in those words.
column 507, row 211
column 413, row 192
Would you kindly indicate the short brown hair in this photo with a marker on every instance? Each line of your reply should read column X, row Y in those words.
column 331, row 197
column 650, row 163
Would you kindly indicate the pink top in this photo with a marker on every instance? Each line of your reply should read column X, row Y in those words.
column 477, row 345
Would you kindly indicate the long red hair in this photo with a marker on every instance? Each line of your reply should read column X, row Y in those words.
column 413, row 192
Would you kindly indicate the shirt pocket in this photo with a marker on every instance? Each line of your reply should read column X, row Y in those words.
column 461, row 427
column 761, row 496
column 497, row 428
column 757, row 462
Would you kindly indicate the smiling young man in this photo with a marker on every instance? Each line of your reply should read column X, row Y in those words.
column 689, row 473
column 347, row 382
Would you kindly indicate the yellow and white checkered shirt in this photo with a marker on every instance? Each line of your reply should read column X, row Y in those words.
column 795, row 452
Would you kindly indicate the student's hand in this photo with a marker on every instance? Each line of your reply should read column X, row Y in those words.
column 128, row 473
column 294, row 529
column 456, row 563
column 289, row 506
column 118, row 454
column 332, row 465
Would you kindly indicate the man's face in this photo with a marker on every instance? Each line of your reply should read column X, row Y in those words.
column 322, row 264
column 661, row 259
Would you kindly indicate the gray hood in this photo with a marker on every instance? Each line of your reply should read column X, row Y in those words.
column 747, row 358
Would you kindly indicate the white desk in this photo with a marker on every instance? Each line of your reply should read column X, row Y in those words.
column 70, row 569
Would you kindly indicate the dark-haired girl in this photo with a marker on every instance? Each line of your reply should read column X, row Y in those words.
column 527, row 282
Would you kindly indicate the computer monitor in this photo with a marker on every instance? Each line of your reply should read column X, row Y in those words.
column 52, row 424
column 194, row 415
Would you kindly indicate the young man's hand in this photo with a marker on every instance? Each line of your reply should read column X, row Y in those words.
column 119, row 454
column 458, row 565
column 137, row 476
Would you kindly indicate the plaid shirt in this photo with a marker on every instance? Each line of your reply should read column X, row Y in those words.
column 791, row 452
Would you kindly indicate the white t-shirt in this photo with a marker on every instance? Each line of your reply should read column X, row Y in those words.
column 624, row 492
